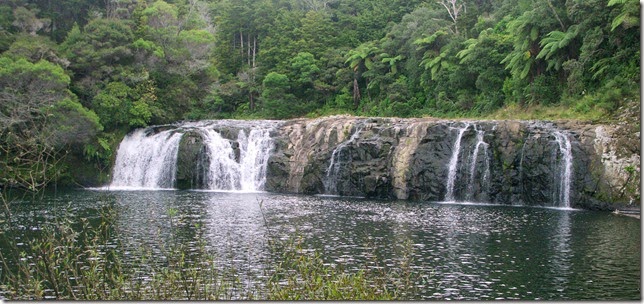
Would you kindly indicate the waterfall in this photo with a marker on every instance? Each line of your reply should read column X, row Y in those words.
column 224, row 171
column 333, row 171
column 473, row 161
column 145, row 161
column 452, row 166
column 565, row 170
column 254, row 152
column 149, row 161
column 555, row 185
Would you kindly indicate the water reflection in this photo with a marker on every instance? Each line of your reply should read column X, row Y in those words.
column 460, row 252
column 235, row 230
column 562, row 255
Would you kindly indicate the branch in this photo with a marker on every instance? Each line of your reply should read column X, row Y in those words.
column 563, row 28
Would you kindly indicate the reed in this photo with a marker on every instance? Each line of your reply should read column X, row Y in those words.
column 80, row 260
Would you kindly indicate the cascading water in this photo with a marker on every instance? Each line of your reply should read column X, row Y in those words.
column 336, row 163
column 546, row 178
column 150, row 161
column 453, row 162
column 473, row 162
column 145, row 161
column 562, row 195
column 254, row 152
column 224, row 171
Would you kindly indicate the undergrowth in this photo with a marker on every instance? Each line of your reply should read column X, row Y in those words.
column 78, row 260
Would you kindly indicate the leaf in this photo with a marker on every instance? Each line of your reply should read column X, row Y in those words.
column 534, row 33
column 525, row 71
column 615, row 2
column 368, row 63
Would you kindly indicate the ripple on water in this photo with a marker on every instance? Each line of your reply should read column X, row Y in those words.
column 458, row 251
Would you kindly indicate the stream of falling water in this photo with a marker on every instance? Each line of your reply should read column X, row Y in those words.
column 453, row 162
column 473, row 162
column 148, row 160
column 333, row 171
column 565, row 170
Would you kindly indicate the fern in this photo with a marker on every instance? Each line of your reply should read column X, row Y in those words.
column 554, row 43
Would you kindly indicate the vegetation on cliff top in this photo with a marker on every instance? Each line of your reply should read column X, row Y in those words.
column 76, row 75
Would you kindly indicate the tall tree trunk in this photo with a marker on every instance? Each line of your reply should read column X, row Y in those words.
column 356, row 93
column 254, row 50
column 248, row 46
column 241, row 43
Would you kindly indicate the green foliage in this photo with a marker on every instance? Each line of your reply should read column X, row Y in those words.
column 628, row 14
column 556, row 42
column 278, row 103
column 71, row 123
column 119, row 104
column 29, row 91
column 136, row 63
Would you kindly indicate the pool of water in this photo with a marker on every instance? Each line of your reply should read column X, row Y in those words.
column 458, row 251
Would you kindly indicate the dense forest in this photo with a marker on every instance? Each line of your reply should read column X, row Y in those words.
column 76, row 75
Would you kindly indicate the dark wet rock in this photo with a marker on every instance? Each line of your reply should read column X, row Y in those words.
column 409, row 159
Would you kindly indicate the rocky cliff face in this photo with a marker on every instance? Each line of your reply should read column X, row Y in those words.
column 560, row 163
column 502, row 162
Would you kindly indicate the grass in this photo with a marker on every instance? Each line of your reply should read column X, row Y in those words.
column 539, row 112
column 80, row 261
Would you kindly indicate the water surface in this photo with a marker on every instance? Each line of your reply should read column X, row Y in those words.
column 459, row 251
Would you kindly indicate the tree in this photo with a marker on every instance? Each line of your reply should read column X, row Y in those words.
column 36, row 48
column 454, row 9
column 628, row 15
column 360, row 60
column 27, row 22
column 277, row 101
column 98, row 53
column 554, row 44
column 118, row 104
column 304, row 72
column 482, row 56
column 29, row 90
column 39, row 119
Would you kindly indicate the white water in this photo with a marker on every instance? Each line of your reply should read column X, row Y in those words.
column 565, row 170
column 150, row 162
column 452, row 166
column 561, row 164
column 224, row 171
column 333, row 171
column 473, row 161
column 146, row 161
column 254, row 152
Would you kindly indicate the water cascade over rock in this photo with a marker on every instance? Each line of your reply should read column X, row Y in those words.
column 147, row 159
column 483, row 186
column 565, row 170
column 340, row 158
column 453, row 163
column 209, row 155
column 559, row 164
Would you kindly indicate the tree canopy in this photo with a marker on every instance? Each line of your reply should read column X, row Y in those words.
column 121, row 64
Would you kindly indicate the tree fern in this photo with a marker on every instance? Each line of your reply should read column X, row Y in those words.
column 628, row 16
column 554, row 44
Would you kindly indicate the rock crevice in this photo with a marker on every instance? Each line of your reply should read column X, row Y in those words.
column 501, row 162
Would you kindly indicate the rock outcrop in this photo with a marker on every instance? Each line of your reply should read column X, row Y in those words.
column 501, row 162
column 558, row 163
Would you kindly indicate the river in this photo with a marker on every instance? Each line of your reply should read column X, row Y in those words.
column 459, row 251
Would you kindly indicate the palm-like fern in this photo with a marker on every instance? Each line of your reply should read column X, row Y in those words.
column 554, row 44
